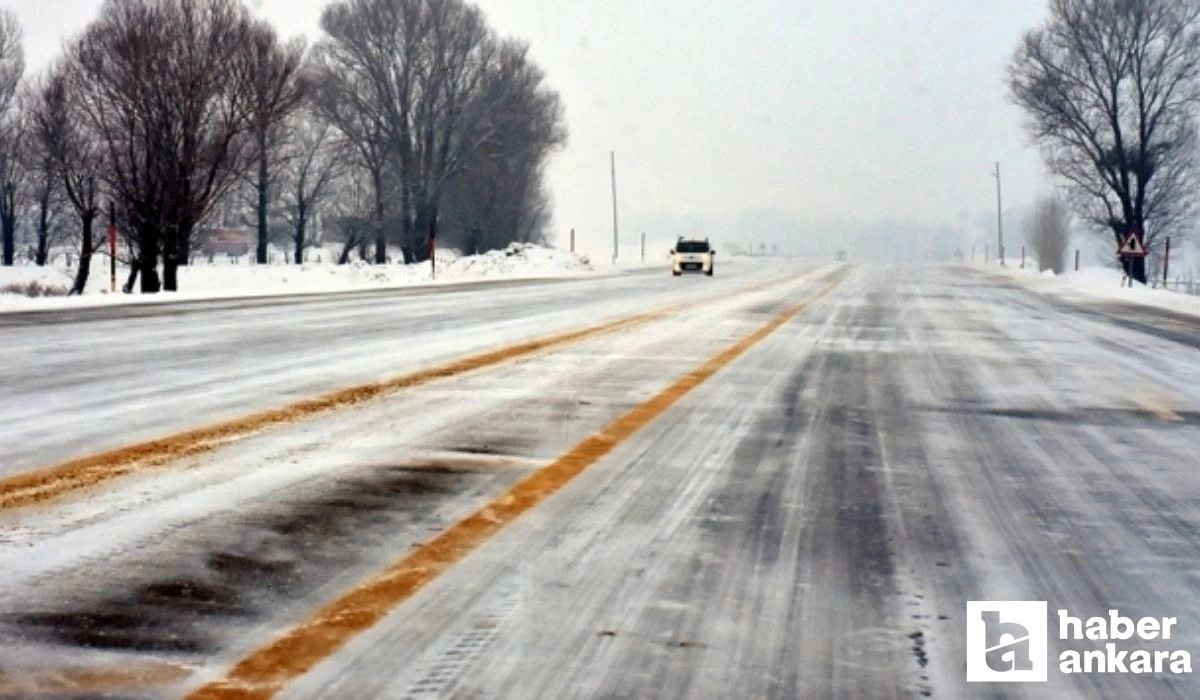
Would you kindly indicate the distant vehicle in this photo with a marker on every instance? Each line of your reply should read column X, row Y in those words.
column 841, row 255
column 692, row 255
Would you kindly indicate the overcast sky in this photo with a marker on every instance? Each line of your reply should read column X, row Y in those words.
column 868, row 110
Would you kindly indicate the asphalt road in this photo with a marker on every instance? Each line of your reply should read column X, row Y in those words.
column 807, row 522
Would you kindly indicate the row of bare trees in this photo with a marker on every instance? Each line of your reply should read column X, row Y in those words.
column 1111, row 89
column 407, row 118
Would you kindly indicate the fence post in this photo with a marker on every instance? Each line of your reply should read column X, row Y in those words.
column 572, row 240
column 1077, row 260
column 1022, row 257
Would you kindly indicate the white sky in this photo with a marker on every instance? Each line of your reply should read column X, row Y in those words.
column 795, row 110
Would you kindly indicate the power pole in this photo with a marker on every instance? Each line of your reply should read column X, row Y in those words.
column 616, row 245
column 999, row 216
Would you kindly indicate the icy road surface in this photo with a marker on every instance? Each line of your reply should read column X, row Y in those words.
column 808, row 522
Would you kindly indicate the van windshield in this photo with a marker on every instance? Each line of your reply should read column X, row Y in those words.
column 692, row 247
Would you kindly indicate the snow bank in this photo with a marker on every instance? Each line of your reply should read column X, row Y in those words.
column 1100, row 283
column 238, row 278
column 32, row 279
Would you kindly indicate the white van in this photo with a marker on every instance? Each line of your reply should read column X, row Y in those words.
column 691, row 255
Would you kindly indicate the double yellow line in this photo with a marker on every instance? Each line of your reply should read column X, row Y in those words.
column 266, row 671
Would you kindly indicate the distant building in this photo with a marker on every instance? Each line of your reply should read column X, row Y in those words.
column 233, row 242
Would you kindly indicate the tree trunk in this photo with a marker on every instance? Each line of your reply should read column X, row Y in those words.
column 43, row 233
column 134, row 268
column 170, row 264
column 148, row 242
column 9, row 235
column 419, row 249
column 380, row 235
column 170, row 273
column 148, row 263
column 406, row 225
column 430, row 247
column 262, row 206
column 86, row 247
column 1137, row 269
column 8, row 231
column 301, row 225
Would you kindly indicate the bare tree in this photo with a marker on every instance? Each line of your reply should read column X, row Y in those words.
column 12, row 68
column 313, row 167
column 75, row 156
column 12, row 183
column 12, row 58
column 498, row 194
column 43, row 182
column 1111, row 88
column 277, row 92
column 1049, row 230
column 366, row 85
column 429, row 96
column 164, row 84
column 450, row 116
column 45, row 191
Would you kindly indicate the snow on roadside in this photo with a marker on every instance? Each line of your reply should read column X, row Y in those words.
column 55, row 281
column 223, row 280
column 1098, row 283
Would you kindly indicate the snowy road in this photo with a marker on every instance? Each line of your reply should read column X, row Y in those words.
column 804, row 517
column 79, row 381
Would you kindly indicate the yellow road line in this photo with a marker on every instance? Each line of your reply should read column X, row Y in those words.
column 54, row 482
column 265, row 672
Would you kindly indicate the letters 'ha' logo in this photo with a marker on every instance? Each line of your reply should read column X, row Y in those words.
column 1006, row 641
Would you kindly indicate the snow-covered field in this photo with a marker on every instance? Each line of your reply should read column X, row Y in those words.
column 1098, row 283
column 236, row 279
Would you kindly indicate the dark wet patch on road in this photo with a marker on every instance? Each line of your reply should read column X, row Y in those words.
column 234, row 571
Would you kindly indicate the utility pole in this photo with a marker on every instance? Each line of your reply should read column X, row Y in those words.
column 999, row 216
column 616, row 245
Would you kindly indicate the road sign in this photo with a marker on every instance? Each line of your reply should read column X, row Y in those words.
column 1132, row 247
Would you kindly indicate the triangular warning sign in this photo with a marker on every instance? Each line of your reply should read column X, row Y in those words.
column 1132, row 247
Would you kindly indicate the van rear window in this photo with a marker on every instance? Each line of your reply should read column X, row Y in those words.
column 692, row 247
